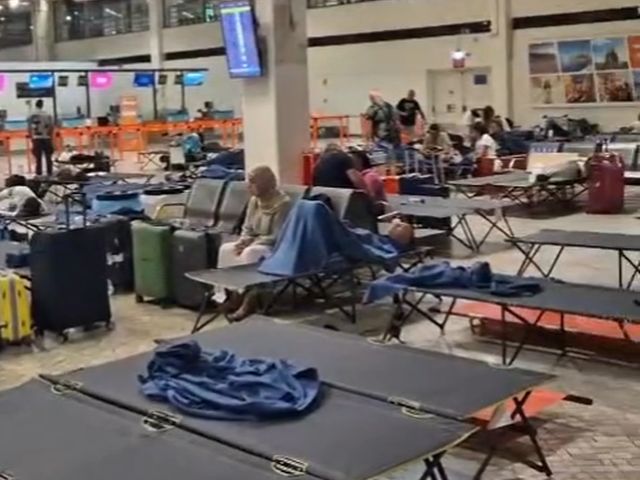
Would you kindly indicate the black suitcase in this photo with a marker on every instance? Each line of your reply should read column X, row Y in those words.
column 416, row 186
column 69, row 279
column 192, row 250
column 119, row 253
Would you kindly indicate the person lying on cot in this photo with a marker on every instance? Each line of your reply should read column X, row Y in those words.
column 18, row 200
column 314, row 239
column 267, row 211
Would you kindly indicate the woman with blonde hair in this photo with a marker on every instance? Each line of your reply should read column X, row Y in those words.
column 267, row 211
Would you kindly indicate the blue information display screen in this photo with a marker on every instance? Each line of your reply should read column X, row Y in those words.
column 240, row 39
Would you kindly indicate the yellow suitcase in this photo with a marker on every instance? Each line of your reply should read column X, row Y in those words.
column 16, row 324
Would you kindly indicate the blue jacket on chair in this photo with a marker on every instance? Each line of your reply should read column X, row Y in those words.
column 478, row 277
column 218, row 385
column 313, row 239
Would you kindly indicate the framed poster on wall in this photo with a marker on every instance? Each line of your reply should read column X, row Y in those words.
column 585, row 71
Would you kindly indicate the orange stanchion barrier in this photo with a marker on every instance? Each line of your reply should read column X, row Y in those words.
column 77, row 134
column 309, row 160
column 318, row 121
column 7, row 138
column 391, row 184
column 130, row 138
column 100, row 134
column 366, row 129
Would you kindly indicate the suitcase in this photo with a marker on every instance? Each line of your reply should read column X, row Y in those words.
column 606, row 184
column 191, row 250
column 151, row 260
column 119, row 253
column 16, row 325
column 69, row 287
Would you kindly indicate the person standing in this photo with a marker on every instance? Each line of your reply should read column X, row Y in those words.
column 41, row 133
column 409, row 109
column 384, row 120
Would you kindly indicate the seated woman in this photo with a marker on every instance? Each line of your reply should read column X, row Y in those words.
column 437, row 141
column 266, row 213
column 314, row 239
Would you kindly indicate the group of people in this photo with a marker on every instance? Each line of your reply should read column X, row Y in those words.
column 266, row 217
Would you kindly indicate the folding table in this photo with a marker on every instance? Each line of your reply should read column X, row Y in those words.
column 622, row 243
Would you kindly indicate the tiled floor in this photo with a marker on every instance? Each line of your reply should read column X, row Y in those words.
column 601, row 442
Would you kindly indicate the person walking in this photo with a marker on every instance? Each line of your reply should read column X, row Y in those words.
column 41, row 133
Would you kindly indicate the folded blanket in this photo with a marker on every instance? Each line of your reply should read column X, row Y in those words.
column 218, row 385
column 314, row 239
column 478, row 277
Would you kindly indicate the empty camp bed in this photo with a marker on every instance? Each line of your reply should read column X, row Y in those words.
column 437, row 383
column 521, row 188
column 344, row 437
column 620, row 306
column 623, row 244
column 459, row 208
column 55, row 433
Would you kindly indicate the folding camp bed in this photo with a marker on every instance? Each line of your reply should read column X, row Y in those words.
column 317, row 284
column 344, row 437
column 152, row 157
column 57, row 434
column 417, row 207
column 620, row 306
column 623, row 244
column 517, row 186
column 388, row 373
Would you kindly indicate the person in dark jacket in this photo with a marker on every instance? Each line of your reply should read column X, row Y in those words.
column 336, row 169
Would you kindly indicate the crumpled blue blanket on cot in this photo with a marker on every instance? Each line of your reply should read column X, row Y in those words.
column 219, row 385
column 478, row 277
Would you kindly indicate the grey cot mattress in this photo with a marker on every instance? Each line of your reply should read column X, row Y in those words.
column 346, row 437
column 446, row 385
column 45, row 436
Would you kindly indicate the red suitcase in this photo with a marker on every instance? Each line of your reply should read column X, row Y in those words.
column 606, row 184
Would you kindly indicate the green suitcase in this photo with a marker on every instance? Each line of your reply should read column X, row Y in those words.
column 152, row 260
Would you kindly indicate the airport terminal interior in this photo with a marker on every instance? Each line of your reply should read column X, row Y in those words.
column 319, row 239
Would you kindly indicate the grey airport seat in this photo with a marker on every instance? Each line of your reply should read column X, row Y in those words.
column 353, row 206
column 295, row 192
column 232, row 206
column 201, row 205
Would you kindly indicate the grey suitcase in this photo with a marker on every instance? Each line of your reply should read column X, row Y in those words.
column 191, row 250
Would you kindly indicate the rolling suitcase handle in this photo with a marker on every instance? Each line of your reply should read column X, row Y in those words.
column 69, row 199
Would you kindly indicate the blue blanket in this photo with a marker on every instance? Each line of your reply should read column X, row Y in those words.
column 478, row 277
column 218, row 385
column 313, row 240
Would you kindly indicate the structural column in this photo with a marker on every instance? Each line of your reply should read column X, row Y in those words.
column 43, row 30
column 502, row 71
column 156, row 46
column 276, row 106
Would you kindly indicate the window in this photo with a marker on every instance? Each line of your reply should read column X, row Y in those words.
column 178, row 13
column 78, row 19
column 333, row 3
column 15, row 25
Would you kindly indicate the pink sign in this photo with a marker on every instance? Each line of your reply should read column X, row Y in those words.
column 3, row 82
column 100, row 80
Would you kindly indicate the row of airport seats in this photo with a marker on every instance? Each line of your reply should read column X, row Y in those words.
column 221, row 204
